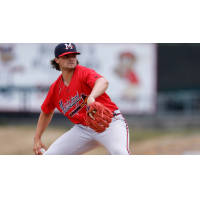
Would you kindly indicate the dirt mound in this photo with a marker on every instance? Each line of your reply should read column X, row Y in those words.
column 18, row 140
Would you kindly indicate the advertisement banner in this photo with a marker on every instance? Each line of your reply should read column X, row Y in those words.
column 26, row 74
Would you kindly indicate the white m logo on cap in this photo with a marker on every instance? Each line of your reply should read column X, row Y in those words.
column 68, row 46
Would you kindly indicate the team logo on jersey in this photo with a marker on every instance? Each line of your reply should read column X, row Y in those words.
column 77, row 101
column 69, row 46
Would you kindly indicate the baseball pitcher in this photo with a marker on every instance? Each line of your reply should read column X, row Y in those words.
column 79, row 93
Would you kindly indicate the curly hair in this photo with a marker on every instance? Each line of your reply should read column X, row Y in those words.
column 55, row 65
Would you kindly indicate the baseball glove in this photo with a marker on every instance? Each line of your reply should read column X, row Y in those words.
column 103, row 117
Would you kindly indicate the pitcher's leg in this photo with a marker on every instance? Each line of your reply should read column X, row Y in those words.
column 116, row 137
column 74, row 142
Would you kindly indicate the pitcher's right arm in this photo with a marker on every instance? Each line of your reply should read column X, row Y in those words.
column 43, row 122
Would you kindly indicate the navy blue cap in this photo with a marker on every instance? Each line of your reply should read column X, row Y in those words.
column 64, row 49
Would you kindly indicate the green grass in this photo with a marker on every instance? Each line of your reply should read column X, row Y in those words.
column 135, row 134
column 143, row 134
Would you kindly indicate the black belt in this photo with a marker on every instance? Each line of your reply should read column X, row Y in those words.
column 115, row 114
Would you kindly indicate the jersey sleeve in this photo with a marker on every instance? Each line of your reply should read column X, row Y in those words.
column 90, row 77
column 48, row 104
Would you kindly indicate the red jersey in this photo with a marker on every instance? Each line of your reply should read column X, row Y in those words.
column 71, row 101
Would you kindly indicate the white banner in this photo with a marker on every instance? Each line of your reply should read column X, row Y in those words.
column 129, row 68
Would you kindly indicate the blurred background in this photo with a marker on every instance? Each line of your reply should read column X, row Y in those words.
column 156, row 86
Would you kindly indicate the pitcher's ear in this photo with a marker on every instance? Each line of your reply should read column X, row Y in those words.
column 56, row 60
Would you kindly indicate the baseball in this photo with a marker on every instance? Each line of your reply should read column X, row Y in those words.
column 42, row 150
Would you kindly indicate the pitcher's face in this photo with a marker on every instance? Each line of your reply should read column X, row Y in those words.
column 68, row 61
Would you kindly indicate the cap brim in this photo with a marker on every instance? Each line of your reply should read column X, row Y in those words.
column 69, row 53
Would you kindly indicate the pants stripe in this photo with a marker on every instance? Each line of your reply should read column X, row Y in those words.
column 127, row 131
